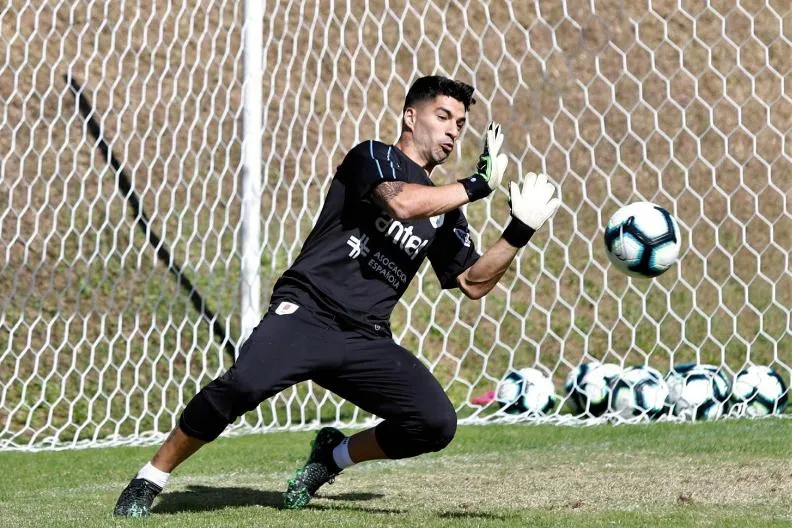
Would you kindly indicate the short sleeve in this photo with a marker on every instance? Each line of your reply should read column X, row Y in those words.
column 369, row 164
column 452, row 250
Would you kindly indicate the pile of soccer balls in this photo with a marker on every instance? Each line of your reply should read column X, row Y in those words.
column 687, row 392
column 643, row 240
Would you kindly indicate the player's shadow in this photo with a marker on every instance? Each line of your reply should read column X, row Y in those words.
column 197, row 498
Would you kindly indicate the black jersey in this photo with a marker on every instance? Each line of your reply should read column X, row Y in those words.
column 357, row 261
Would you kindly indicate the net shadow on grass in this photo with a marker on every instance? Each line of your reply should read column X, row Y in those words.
column 339, row 506
column 353, row 496
column 463, row 513
column 467, row 514
column 460, row 514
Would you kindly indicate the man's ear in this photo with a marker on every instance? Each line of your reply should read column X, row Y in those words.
column 409, row 118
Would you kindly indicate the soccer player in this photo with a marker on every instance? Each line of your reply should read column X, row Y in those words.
column 328, row 320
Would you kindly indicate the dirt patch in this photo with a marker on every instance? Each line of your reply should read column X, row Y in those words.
column 596, row 482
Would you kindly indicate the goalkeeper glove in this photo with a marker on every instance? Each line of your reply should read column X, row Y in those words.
column 530, row 208
column 490, row 168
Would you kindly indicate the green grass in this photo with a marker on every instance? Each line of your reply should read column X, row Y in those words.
column 732, row 473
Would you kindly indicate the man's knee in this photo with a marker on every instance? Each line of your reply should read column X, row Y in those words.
column 439, row 429
column 217, row 405
column 201, row 420
column 421, row 433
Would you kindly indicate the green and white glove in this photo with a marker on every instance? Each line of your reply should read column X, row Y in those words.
column 490, row 168
column 531, row 207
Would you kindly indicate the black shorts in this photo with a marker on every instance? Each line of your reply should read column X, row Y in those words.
column 376, row 374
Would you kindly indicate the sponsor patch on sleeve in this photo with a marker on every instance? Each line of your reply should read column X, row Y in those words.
column 463, row 236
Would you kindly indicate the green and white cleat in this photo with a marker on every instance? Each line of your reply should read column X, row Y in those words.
column 136, row 499
column 318, row 469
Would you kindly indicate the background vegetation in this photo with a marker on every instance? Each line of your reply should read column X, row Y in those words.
column 686, row 104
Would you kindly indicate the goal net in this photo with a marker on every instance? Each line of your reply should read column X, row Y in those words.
column 685, row 103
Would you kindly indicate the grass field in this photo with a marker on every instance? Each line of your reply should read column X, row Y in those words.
column 735, row 473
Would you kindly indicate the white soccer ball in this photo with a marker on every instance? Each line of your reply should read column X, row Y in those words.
column 588, row 387
column 758, row 391
column 527, row 390
column 697, row 392
column 637, row 392
column 642, row 239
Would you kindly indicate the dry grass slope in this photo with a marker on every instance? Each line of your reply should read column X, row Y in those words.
column 687, row 106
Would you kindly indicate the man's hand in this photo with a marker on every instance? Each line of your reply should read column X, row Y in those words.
column 531, row 207
column 490, row 168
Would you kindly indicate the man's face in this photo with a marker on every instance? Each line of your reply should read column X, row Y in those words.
column 436, row 125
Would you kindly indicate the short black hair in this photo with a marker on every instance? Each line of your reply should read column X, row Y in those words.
column 429, row 87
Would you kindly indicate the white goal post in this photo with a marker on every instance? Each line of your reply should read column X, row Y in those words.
column 113, row 315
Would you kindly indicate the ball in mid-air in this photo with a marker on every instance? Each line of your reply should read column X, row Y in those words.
column 588, row 387
column 642, row 239
column 527, row 390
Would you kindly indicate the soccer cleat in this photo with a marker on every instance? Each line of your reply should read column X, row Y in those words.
column 136, row 499
column 318, row 469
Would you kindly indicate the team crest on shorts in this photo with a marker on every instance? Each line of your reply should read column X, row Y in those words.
column 286, row 308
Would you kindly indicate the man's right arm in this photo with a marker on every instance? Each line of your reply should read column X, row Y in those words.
column 412, row 201
column 409, row 201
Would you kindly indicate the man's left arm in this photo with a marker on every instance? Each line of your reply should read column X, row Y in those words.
column 531, row 207
column 479, row 279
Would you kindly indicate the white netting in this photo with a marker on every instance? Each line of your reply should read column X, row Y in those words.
column 686, row 103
